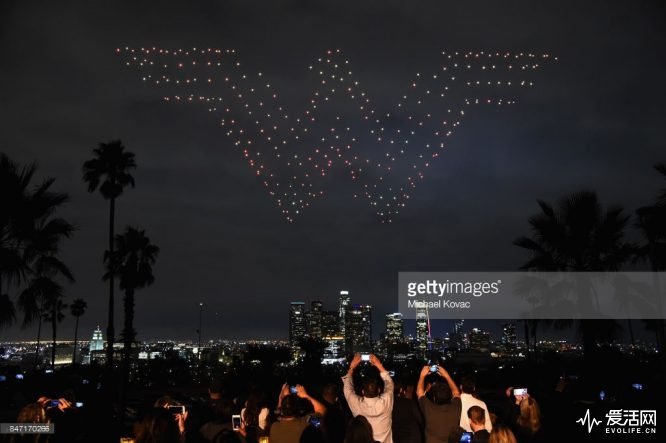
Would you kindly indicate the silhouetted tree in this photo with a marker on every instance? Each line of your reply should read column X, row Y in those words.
column 53, row 313
column 651, row 223
column 579, row 236
column 133, row 262
column 77, row 309
column 27, row 230
column 109, row 171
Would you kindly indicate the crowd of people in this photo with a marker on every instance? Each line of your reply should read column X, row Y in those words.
column 366, row 406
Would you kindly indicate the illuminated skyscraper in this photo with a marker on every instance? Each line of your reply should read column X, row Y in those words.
column 422, row 329
column 97, row 340
column 479, row 341
column 358, row 328
column 509, row 336
column 313, row 319
column 296, row 325
column 330, row 325
column 344, row 305
column 394, row 328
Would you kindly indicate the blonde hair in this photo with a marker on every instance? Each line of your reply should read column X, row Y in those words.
column 530, row 415
column 501, row 434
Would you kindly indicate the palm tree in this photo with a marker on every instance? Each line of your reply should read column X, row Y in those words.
column 77, row 309
column 133, row 262
column 651, row 222
column 578, row 236
column 109, row 171
column 29, row 235
column 53, row 314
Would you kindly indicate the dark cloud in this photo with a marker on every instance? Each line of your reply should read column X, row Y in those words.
column 593, row 120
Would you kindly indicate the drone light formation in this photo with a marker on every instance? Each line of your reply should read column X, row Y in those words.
column 340, row 132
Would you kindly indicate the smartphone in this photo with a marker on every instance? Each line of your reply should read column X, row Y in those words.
column 79, row 404
column 434, row 368
column 520, row 391
column 466, row 437
column 314, row 421
column 19, row 376
column 602, row 395
column 177, row 409
column 365, row 357
column 53, row 403
column 637, row 386
column 236, row 422
column 293, row 390
column 48, row 371
column 391, row 373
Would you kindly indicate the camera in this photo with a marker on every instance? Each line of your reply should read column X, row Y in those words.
column 466, row 437
column 236, row 422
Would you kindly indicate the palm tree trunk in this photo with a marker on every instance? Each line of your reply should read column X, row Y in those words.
column 76, row 334
column 109, row 328
column 39, row 334
column 128, row 331
column 54, row 325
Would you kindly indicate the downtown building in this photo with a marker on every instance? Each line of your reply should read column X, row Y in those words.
column 358, row 328
column 297, row 327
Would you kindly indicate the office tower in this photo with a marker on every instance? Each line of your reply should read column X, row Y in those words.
column 330, row 326
column 97, row 341
column 313, row 319
column 296, row 326
column 479, row 341
column 358, row 328
column 394, row 329
column 422, row 330
column 509, row 336
column 456, row 339
column 344, row 305
column 330, row 332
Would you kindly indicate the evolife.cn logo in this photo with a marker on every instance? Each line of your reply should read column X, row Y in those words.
column 622, row 421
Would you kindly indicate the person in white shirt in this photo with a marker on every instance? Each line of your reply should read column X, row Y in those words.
column 467, row 398
column 374, row 403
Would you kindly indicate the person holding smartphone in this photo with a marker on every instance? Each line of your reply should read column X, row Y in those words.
column 375, row 402
column 440, row 404
column 291, row 424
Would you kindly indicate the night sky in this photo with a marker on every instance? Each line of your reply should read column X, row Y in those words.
column 592, row 120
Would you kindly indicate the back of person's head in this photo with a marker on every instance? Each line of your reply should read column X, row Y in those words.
column 371, row 386
column 330, row 392
column 477, row 415
column 215, row 388
column 289, row 406
column 501, row 434
column 359, row 430
column 255, row 403
column 164, row 401
column 530, row 414
column 156, row 426
column 31, row 413
column 222, row 410
column 468, row 384
column 440, row 393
